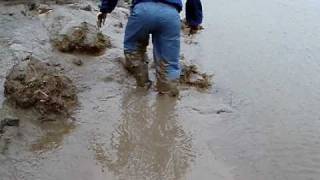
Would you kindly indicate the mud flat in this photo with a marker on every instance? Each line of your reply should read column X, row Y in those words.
column 116, row 130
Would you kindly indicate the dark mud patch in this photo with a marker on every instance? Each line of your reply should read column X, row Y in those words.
column 190, row 75
column 33, row 83
column 84, row 38
column 8, row 122
column 8, row 129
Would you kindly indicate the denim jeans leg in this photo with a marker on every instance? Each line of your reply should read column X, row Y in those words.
column 135, row 42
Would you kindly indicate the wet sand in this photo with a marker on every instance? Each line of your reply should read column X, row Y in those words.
column 258, row 122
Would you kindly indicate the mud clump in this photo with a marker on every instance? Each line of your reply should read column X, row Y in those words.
column 33, row 83
column 190, row 75
column 84, row 38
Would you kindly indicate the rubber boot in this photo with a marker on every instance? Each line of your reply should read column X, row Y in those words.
column 168, row 87
column 136, row 64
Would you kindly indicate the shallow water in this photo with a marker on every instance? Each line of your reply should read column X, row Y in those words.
column 267, row 52
column 259, row 122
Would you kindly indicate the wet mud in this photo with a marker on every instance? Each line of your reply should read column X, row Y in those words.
column 117, row 131
column 33, row 83
column 167, row 147
column 23, row 132
column 190, row 75
column 84, row 38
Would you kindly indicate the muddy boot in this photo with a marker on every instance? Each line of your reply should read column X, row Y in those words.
column 168, row 87
column 137, row 65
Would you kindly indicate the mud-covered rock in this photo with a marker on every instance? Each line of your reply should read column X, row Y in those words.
column 84, row 38
column 33, row 83
column 190, row 75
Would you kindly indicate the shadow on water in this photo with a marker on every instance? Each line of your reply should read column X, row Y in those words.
column 149, row 142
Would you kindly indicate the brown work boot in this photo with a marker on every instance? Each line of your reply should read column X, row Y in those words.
column 136, row 64
column 168, row 87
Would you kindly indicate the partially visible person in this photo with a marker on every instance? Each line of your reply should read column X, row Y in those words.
column 161, row 19
column 194, row 15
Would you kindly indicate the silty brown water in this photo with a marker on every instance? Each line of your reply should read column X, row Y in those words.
column 260, row 120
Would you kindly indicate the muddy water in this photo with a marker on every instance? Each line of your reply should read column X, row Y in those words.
column 268, row 53
column 259, row 122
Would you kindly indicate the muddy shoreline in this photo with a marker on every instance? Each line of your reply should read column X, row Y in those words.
column 114, row 125
column 259, row 121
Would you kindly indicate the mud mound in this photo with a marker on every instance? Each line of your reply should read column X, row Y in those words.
column 190, row 75
column 33, row 83
column 84, row 38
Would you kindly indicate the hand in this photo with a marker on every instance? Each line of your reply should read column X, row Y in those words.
column 101, row 19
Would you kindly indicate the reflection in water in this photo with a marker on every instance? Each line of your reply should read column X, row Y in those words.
column 149, row 143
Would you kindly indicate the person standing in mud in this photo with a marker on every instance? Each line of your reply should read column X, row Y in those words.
column 161, row 19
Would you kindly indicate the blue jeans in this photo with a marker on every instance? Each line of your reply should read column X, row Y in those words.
column 163, row 23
